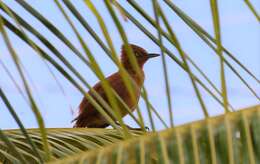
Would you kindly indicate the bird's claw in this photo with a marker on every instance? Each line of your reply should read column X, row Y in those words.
column 147, row 128
column 131, row 128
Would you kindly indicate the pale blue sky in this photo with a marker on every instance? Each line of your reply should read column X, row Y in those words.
column 240, row 34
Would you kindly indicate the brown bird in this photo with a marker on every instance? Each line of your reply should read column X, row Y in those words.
column 90, row 117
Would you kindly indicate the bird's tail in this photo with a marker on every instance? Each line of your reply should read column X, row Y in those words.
column 79, row 122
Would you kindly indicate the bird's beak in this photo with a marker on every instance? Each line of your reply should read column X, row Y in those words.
column 153, row 55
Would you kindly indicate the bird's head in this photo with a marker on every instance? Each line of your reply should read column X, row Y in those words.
column 140, row 54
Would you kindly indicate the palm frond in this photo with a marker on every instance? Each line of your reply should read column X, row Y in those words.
column 63, row 142
column 229, row 138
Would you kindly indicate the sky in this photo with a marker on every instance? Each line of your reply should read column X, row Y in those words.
column 240, row 35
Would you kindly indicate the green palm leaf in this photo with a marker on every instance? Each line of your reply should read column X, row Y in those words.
column 225, row 138
column 229, row 138
column 63, row 142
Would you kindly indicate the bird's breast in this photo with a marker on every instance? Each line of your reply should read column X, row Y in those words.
column 120, row 87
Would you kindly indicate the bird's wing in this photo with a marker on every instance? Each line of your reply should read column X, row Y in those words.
column 85, row 106
column 88, row 115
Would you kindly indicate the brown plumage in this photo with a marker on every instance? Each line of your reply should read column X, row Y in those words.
column 89, row 117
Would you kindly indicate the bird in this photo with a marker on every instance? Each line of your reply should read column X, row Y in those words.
column 90, row 117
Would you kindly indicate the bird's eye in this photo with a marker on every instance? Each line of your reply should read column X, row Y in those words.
column 137, row 54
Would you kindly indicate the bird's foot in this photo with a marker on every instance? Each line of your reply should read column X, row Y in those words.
column 141, row 129
column 131, row 128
